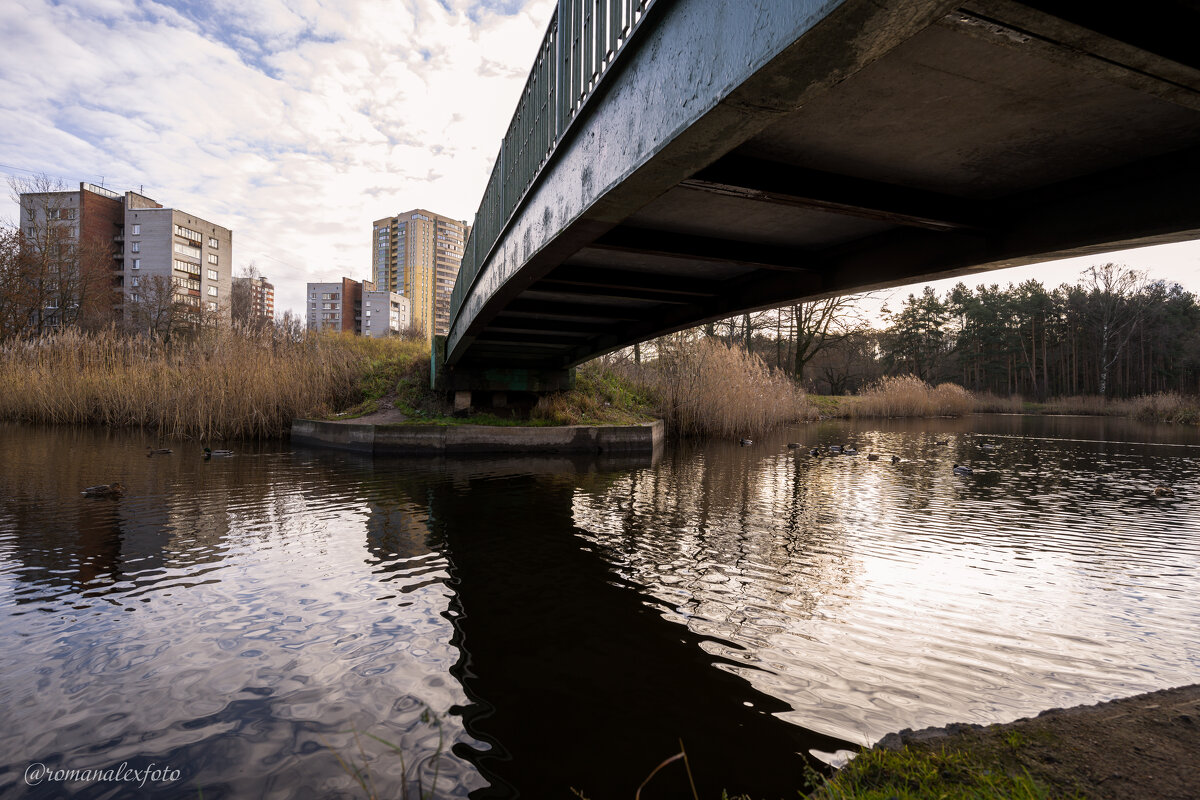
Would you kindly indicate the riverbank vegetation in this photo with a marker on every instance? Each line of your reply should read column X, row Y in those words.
column 917, row 775
column 1113, row 333
column 221, row 383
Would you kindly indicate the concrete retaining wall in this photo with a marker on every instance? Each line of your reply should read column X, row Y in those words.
column 471, row 439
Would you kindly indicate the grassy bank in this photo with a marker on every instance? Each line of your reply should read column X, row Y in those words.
column 224, row 384
column 907, row 396
column 909, row 774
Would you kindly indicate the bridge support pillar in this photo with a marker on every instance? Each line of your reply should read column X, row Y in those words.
column 498, row 380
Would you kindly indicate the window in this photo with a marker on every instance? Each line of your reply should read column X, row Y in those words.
column 133, row 281
column 188, row 233
column 134, row 296
column 212, row 291
column 187, row 250
column 212, row 306
column 135, row 247
column 212, row 242
column 184, row 266
column 137, row 229
column 137, row 263
column 212, row 274
column 212, row 258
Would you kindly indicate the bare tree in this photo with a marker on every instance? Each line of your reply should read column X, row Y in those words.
column 54, row 275
column 818, row 324
column 1115, row 304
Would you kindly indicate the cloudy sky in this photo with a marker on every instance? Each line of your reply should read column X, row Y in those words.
column 295, row 122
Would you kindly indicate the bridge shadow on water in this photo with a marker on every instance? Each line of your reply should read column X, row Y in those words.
column 576, row 680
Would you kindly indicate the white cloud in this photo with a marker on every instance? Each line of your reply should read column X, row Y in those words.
column 294, row 122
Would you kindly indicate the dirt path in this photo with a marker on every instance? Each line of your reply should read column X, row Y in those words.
column 1147, row 746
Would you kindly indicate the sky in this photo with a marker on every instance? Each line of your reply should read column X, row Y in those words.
column 297, row 123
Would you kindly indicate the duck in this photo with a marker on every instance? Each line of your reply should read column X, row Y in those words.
column 814, row 452
column 895, row 459
column 157, row 451
column 746, row 442
column 210, row 453
column 941, row 441
column 961, row 470
column 114, row 489
column 793, row 445
column 988, row 446
column 1164, row 491
column 835, row 448
column 872, row 456
column 849, row 450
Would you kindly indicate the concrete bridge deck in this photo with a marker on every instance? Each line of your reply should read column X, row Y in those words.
column 726, row 157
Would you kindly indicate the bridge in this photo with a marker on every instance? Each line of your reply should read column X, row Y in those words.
column 673, row 162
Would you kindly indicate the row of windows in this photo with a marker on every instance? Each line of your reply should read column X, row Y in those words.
column 188, row 233
column 184, row 266
column 61, row 213
column 187, row 249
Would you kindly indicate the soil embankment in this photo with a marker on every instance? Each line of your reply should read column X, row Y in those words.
column 1146, row 746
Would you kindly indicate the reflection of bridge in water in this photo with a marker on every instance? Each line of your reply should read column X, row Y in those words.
column 679, row 161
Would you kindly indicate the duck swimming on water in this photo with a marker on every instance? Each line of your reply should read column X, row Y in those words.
column 210, row 453
column 113, row 489
column 961, row 470
column 872, row 456
column 157, row 451
column 1164, row 491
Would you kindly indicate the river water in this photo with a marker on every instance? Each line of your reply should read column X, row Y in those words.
column 255, row 625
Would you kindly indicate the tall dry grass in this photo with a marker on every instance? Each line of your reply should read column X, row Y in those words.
column 225, row 384
column 909, row 396
column 705, row 388
column 989, row 403
column 1159, row 407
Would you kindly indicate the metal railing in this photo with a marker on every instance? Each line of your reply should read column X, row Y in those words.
column 582, row 42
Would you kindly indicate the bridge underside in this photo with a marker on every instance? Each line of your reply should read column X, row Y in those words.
column 982, row 135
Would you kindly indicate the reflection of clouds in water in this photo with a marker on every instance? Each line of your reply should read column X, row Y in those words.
column 873, row 596
column 239, row 634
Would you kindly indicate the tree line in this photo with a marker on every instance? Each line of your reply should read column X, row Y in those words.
column 1112, row 333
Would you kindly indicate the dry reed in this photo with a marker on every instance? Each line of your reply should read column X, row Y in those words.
column 1160, row 407
column 705, row 388
column 225, row 384
column 909, row 396
column 989, row 403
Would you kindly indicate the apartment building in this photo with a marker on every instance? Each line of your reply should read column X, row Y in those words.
column 262, row 299
column 418, row 254
column 384, row 312
column 76, row 234
column 359, row 308
column 151, row 253
column 335, row 306
column 169, row 246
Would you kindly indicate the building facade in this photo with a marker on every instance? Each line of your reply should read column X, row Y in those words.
column 335, row 306
column 347, row 306
column 75, row 236
column 384, row 313
column 262, row 299
column 418, row 254
column 153, row 255
column 166, row 246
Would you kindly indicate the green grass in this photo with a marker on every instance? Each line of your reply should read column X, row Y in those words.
column 922, row 775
